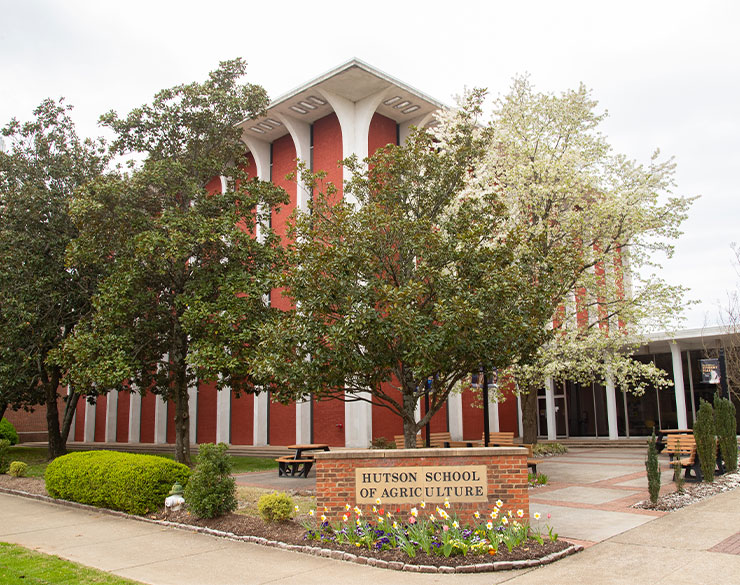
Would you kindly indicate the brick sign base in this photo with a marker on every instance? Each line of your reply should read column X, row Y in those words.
column 471, row 479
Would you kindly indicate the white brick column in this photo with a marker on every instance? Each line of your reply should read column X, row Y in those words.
column 678, row 386
column 111, row 416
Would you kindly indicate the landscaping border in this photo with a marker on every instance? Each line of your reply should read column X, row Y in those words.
column 313, row 550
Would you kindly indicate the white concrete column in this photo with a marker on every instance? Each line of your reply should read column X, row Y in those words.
column 358, row 423
column 611, row 408
column 223, row 415
column 160, row 420
column 455, row 416
column 550, row 409
column 493, row 420
column 404, row 128
column 73, row 424
column 520, row 424
column 261, row 152
column 89, row 435
column 354, row 119
column 111, row 416
column 193, row 411
column 300, row 132
column 678, row 385
column 260, row 413
column 134, row 416
column 303, row 421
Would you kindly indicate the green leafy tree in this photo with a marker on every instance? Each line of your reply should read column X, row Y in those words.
column 592, row 221
column 187, row 276
column 42, row 299
column 411, row 277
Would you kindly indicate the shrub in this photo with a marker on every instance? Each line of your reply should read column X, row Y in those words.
column 7, row 431
column 382, row 443
column 211, row 490
column 724, row 420
column 4, row 455
column 706, row 441
column 18, row 469
column 275, row 507
column 540, row 449
column 653, row 470
column 130, row 482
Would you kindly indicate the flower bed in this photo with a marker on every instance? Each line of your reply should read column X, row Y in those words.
column 431, row 532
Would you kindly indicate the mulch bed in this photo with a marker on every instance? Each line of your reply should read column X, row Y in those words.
column 293, row 533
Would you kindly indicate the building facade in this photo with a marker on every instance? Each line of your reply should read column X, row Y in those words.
column 354, row 110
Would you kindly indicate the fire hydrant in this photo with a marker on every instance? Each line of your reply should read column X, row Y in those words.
column 174, row 499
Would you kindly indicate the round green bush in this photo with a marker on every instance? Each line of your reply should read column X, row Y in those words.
column 129, row 482
column 18, row 469
column 276, row 507
column 211, row 490
column 7, row 431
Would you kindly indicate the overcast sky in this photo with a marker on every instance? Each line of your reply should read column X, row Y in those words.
column 667, row 72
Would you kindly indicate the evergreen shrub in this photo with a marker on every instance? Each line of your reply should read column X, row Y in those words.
column 18, row 469
column 211, row 490
column 7, row 431
column 726, row 423
column 275, row 507
column 706, row 440
column 129, row 482
column 653, row 470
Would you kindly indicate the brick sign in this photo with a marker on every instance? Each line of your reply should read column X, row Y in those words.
column 411, row 485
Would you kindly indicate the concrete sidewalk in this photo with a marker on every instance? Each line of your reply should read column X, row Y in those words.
column 683, row 547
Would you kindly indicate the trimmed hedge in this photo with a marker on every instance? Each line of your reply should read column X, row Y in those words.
column 129, row 482
column 7, row 431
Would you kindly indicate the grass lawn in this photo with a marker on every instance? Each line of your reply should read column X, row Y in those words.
column 19, row 565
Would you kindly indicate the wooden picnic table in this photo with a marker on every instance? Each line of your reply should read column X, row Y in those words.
column 300, row 463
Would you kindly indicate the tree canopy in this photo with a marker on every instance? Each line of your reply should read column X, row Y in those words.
column 416, row 281
column 564, row 187
column 43, row 300
column 187, row 276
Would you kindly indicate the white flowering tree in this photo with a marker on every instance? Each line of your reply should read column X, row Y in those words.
column 564, row 190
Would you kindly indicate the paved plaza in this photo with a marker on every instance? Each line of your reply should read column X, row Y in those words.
column 589, row 497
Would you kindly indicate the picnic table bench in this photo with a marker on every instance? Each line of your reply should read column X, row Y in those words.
column 300, row 463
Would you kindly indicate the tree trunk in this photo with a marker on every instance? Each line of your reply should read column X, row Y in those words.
column 182, row 425
column 3, row 408
column 57, row 444
column 409, row 420
column 529, row 416
column 69, row 414
column 181, row 397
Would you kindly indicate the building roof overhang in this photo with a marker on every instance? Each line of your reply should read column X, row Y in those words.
column 353, row 80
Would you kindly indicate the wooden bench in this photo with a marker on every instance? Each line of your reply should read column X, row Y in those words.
column 290, row 467
column 531, row 461
column 499, row 438
column 663, row 434
column 681, row 448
